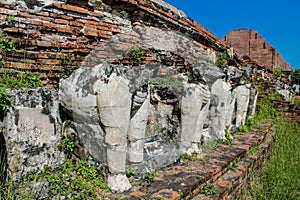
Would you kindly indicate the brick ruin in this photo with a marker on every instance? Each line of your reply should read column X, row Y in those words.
column 254, row 48
column 97, row 36
column 55, row 40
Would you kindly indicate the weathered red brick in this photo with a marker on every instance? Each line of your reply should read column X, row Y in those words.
column 246, row 147
column 50, row 67
column 37, row 22
column 240, row 174
column 73, row 8
column 76, row 23
column 64, row 29
column 167, row 194
column 137, row 194
column 242, row 168
column 87, row 22
column 91, row 26
column 62, row 16
column 103, row 34
column 44, row 43
column 16, row 65
column 42, row 55
column 29, row 32
column 216, row 176
column 8, row 11
column 61, row 21
column 132, row 2
column 49, row 61
column 43, row 13
column 12, row 29
column 49, row 25
column 226, row 184
column 90, row 31
column 26, row 15
column 49, row 19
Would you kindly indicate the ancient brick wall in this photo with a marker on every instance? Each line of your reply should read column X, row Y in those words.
column 56, row 40
column 248, row 43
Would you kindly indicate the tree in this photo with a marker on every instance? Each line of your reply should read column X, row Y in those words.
column 296, row 76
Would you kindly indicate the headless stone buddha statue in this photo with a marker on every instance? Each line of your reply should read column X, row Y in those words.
column 194, row 109
column 123, row 105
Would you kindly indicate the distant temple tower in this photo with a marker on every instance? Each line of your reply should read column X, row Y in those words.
column 249, row 44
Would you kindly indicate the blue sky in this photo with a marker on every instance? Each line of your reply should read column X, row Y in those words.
column 276, row 20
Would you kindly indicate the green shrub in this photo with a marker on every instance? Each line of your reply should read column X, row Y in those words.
column 85, row 182
column 295, row 76
column 221, row 61
column 277, row 73
column 7, row 45
column 5, row 100
column 266, row 110
column 68, row 147
column 168, row 81
column 250, row 121
column 20, row 80
column 137, row 55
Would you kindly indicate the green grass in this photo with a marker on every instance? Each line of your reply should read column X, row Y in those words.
column 280, row 178
column 76, row 180
column 296, row 102
column 280, row 175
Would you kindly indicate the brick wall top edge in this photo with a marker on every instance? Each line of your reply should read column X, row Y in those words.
column 171, row 12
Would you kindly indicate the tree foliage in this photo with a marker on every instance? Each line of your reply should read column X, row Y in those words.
column 296, row 76
column 221, row 61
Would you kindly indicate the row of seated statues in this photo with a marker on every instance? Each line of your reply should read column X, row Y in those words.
column 210, row 101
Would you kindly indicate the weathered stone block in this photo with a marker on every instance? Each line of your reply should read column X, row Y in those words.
column 32, row 131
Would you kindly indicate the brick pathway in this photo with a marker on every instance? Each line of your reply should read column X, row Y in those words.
column 225, row 169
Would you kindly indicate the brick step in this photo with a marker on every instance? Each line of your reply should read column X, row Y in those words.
column 186, row 181
column 231, row 183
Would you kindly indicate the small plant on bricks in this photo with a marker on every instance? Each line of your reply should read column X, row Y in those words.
column 191, row 157
column 243, row 129
column 253, row 150
column 228, row 137
column 149, row 178
column 209, row 190
column 235, row 164
column 10, row 18
column 130, row 171
column 137, row 55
